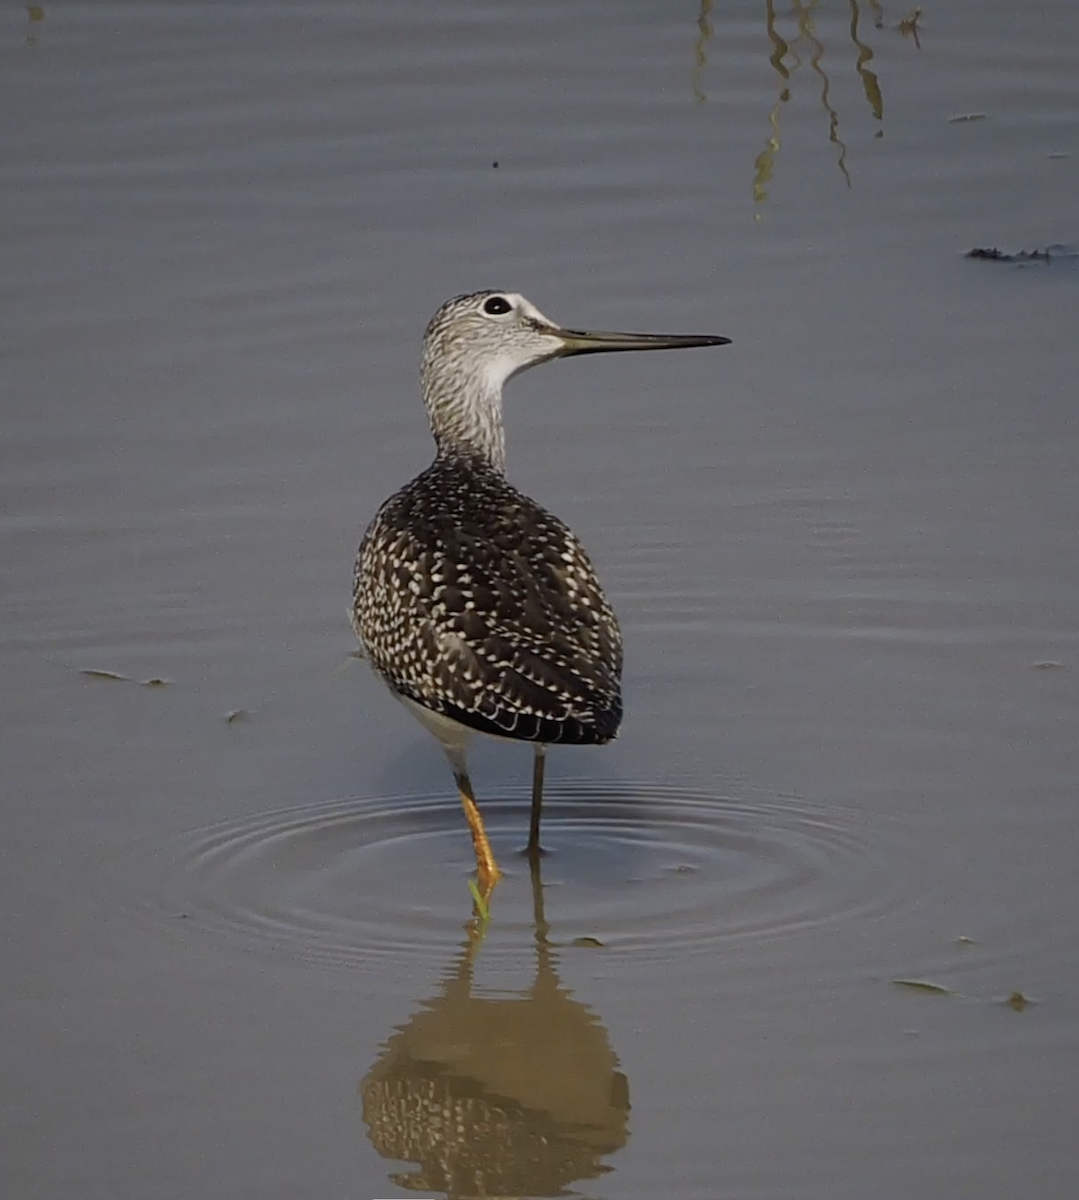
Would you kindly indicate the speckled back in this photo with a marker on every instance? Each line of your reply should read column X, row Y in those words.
column 479, row 604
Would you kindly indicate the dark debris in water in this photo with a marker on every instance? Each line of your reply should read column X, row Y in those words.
column 923, row 985
column 1017, row 1001
column 1039, row 256
column 154, row 681
column 909, row 26
column 587, row 942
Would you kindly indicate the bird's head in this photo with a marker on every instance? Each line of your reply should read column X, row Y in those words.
column 476, row 342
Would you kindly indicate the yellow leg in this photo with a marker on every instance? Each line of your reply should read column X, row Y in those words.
column 487, row 872
column 534, row 847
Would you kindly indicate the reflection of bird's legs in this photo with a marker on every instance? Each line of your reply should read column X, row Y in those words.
column 487, row 872
column 538, row 762
column 539, row 920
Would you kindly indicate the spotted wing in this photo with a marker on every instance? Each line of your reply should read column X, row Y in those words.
column 476, row 602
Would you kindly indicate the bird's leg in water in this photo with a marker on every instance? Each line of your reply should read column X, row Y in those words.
column 487, row 872
column 534, row 849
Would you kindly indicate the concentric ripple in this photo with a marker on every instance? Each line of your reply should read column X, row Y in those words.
column 640, row 867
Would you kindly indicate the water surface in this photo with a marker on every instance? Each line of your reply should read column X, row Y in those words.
column 238, row 957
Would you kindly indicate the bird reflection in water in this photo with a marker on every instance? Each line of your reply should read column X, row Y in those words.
column 498, row 1096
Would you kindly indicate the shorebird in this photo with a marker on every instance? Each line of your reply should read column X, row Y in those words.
column 478, row 608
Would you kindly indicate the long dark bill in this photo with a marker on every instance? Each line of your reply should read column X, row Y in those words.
column 587, row 341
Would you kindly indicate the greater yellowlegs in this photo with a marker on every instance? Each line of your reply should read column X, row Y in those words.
column 478, row 608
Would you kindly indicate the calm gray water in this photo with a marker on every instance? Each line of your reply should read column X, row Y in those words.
column 237, row 958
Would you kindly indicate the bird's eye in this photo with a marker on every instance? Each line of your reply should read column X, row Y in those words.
column 497, row 306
